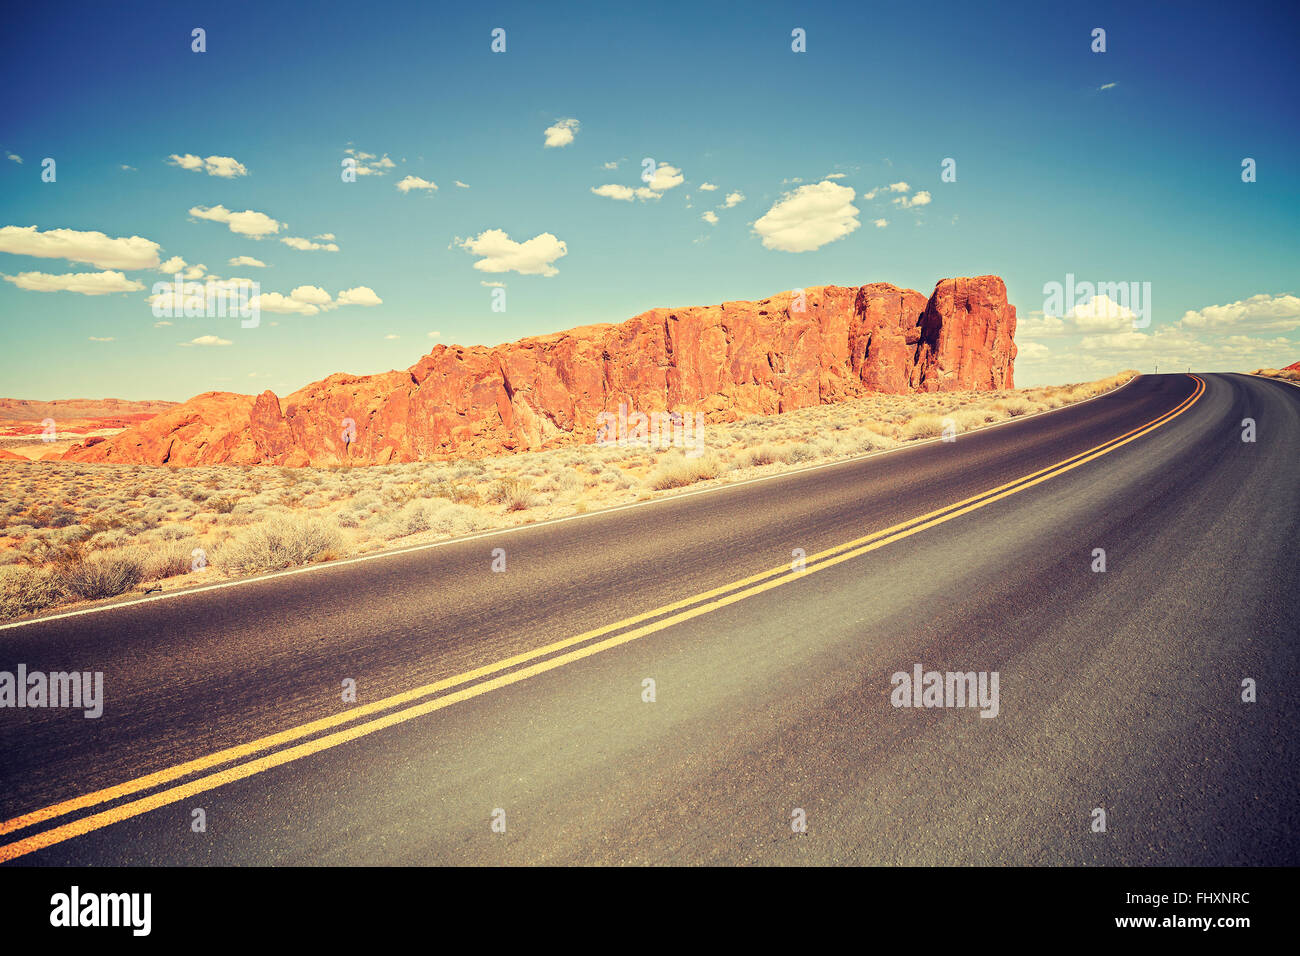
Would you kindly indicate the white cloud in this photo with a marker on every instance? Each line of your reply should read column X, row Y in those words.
column 225, row 167
column 880, row 223
column 899, row 187
column 14, row 158
column 208, row 340
column 710, row 217
column 283, row 304
column 246, row 223
column 665, row 177
column 367, row 168
column 835, row 176
column 1033, row 351
column 435, row 335
column 96, row 338
column 562, row 133
column 1107, row 86
column 1033, row 326
column 809, row 218
column 306, row 245
column 326, row 237
column 491, row 285
column 734, row 199
column 361, row 295
column 1259, row 313
column 415, row 182
column 162, row 324
column 707, row 187
column 247, row 261
column 392, row 337
column 176, row 264
column 614, row 191
column 500, row 253
column 462, row 185
column 1101, row 314
column 94, row 248
column 920, row 199
column 87, row 283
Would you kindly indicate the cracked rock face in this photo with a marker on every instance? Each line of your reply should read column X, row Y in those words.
column 728, row 361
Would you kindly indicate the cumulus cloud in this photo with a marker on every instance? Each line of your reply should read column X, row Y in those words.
column 500, row 253
column 361, row 295
column 368, row 165
column 208, row 340
column 899, row 187
column 312, row 299
column 415, row 182
column 562, row 133
column 14, row 158
column 707, row 187
column 87, row 283
column 1036, row 325
column 1259, row 313
column 710, row 217
column 306, row 245
column 94, row 248
column 614, row 191
column 246, row 223
column 1101, row 314
column 176, row 264
column 809, row 218
column 247, row 261
column 734, row 199
column 226, row 167
column 462, row 185
column 880, row 223
column 665, row 177
column 922, row 198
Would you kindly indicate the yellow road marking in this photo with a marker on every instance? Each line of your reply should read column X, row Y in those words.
column 755, row 584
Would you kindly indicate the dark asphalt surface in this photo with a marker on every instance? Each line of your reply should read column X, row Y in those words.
column 1119, row 690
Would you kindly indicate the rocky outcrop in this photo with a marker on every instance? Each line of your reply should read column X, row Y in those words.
column 728, row 361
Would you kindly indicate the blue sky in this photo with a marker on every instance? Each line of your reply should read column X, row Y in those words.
column 1122, row 166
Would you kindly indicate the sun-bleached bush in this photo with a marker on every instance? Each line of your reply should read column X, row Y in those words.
column 280, row 542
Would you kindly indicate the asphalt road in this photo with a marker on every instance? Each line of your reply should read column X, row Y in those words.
column 1119, row 690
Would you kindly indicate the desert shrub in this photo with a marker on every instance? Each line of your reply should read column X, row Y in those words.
column 766, row 455
column 923, row 426
column 515, row 494
column 170, row 559
column 1014, row 406
column 677, row 471
column 101, row 574
column 280, row 542
column 803, row 451
column 26, row 590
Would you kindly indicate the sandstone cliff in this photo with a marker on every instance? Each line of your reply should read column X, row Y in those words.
column 728, row 360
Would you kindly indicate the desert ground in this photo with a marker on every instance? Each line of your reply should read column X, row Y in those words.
column 72, row 534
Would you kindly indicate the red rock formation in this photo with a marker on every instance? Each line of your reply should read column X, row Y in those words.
column 728, row 360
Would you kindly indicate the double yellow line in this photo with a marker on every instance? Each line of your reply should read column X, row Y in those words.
column 490, row 677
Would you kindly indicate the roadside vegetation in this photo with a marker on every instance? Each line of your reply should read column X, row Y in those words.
column 72, row 533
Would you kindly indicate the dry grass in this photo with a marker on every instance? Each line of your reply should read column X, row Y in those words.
column 73, row 532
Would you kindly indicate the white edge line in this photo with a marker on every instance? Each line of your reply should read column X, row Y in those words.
column 343, row 562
